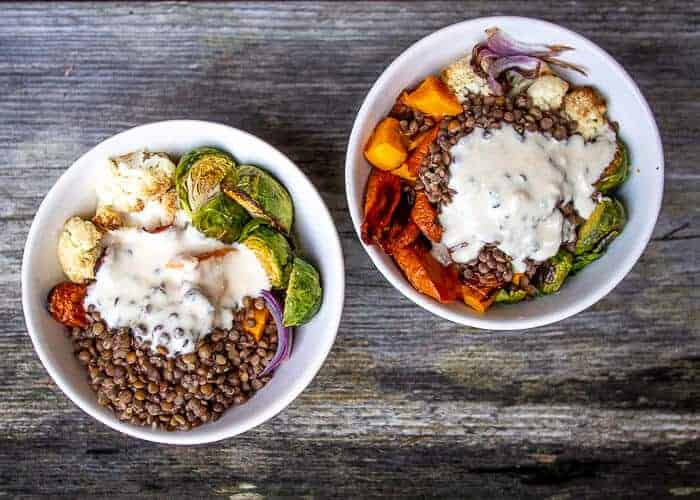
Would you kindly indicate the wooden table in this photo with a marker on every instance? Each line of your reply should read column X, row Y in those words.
column 601, row 405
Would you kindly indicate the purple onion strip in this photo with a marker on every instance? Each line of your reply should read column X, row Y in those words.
column 284, row 334
column 504, row 45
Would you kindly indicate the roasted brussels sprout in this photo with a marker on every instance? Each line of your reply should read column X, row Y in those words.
column 510, row 296
column 303, row 293
column 551, row 276
column 221, row 218
column 262, row 195
column 581, row 261
column 198, row 176
column 616, row 173
column 273, row 251
column 604, row 224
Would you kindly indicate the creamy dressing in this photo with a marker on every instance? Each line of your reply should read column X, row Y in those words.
column 153, row 215
column 154, row 284
column 508, row 187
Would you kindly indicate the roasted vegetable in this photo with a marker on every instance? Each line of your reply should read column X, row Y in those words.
column 425, row 215
column 273, row 252
column 510, row 296
column 304, row 293
column 260, row 318
column 603, row 225
column 476, row 298
column 551, row 276
column 261, row 195
column 199, row 174
column 581, row 261
column 221, row 218
column 385, row 148
column 382, row 196
column 617, row 172
column 433, row 98
column 409, row 170
column 66, row 304
column 426, row 274
column 79, row 248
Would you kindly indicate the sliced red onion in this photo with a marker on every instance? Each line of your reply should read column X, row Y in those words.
column 284, row 334
column 504, row 45
column 526, row 65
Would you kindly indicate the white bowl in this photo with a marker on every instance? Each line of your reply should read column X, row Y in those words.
column 74, row 193
column 641, row 194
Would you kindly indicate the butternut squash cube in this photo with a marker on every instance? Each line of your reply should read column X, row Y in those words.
column 433, row 98
column 386, row 149
column 261, row 317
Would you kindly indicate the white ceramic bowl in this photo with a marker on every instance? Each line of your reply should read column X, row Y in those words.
column 74, row 193
column 641, row 194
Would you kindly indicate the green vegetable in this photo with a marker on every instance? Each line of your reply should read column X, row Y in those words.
column 555, row 272
column 221, row 218
column 303, row 293
column 617, row 172
column 510, row 296
column 604, row 224
column 273, row 251
column 251, row 226
column 262, row 195
column 198, row 176
column 581, row 261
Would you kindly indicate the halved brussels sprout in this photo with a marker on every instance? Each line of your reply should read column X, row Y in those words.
column 616, row 173
column 198, row 176
column 604, row 224
column 273, row 251
column 510, row 296
column 262, row 195
column 304, row 293
column 581, row 261
column 221, row 218
column 554, row 272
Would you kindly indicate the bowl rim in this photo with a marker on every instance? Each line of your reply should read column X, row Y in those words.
column 400, row 283
column 292, row 390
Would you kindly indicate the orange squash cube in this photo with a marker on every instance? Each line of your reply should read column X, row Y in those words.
column 260, row 316
column 433, row 98
column 386, row 149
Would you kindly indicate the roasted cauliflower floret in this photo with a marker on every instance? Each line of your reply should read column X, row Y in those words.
column 79, row 247
column 157, row 213
column 133, row 179
column 107, row 218
column 587, row 108
column 548, row 91
column 461, row 78
column 137, row 190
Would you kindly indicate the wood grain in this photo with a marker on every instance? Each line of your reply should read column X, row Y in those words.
column 604, row 404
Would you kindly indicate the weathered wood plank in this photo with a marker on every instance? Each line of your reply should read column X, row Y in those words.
column 603, row 404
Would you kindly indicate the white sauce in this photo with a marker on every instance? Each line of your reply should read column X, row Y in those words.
column 166, row 305
column 153, row 215
column 508, row 189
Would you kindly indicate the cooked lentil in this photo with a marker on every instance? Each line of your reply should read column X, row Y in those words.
column 173, row 393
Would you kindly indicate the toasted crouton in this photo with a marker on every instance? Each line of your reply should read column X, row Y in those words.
column 587, row 108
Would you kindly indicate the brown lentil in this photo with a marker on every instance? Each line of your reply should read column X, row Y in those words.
column 148, row 388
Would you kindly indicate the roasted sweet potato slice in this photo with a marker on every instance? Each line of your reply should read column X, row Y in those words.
column 66, row 304
column 426, row 274
column 409, row 170
column 401, row 235
column 425, row 215
column 382, row 196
